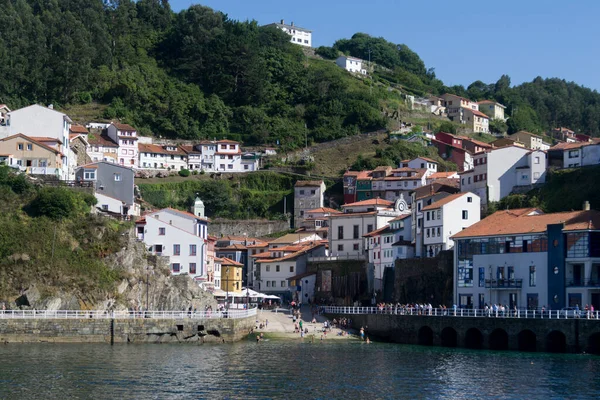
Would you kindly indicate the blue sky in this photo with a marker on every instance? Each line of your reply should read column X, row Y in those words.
column 463, row 41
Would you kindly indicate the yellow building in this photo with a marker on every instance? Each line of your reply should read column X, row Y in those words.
column 37, row 155
column 231, row 275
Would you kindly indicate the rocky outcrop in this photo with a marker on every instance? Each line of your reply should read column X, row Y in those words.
column 145, row 282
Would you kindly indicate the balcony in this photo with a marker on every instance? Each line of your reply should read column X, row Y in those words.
column 594, row 283
column 504, row 283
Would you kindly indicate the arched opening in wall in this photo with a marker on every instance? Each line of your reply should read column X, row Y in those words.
column 498, row 339
column 473, row 339
column 425, row 336
column 593, row 346
column 448, row 337
column 527, row 340
column 556, row 342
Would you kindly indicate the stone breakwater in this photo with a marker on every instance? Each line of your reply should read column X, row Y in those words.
column 92, row 330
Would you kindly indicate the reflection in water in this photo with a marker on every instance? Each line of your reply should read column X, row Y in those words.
column 289, row 369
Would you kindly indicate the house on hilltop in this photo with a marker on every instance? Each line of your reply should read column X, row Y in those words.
column 298, row 35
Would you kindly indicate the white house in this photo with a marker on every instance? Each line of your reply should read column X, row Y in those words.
column 126, row 137
column 167, row 156
column 573, row 155
column 308, row 195
column 299, row 36
column 179, row 235
column 447, row 217
column 346, row 230
column 431, row 166
column 228, row 156
column 352, row 64
column 42, row 122
column 496, row 172
column 102, row 148
column 527, row 259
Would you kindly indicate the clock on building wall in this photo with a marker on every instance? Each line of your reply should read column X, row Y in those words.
column 401, row 204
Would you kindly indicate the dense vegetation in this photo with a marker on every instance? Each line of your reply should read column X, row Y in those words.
column 256, row 195
column 398, row 151
column 581, row 184
column 48, row 238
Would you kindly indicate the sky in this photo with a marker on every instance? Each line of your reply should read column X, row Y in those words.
column 464, row 41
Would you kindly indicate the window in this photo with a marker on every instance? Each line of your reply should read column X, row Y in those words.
column 573, row 153
column 340, row 247
column 469, row 199
column 19, row 146
column 105, row 207
column 89, row 174
column 176, row 249
column 481, row 276
column 245, row 166
column 355, row 233
column 273, row 283
column 283, row 284
column 175, row 267
column 369, row 228
column 192, row 249
column 427, row 215
column 291, row 268
column 340, row 232
column 268, row 283
column 465, row 214
column 117, row 177
column 29, row 147
column 192, row 268
column 161, row 231
column 355, row 247
column 536, row 160
column 532, row 275
column 439, row 214
column 301, row 191
column 267, row 268
column 439, row 231
column 277, row 268
column 427, row 232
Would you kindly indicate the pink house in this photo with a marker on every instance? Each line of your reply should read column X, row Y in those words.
column 126, row 137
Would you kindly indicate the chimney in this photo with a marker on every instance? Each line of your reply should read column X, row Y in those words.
column 282, row 22
column 586, row 206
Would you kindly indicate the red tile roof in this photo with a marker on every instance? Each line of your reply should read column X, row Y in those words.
column 226, row 141
column 324, row 210
column 478, row 113
column 438, row 175
column 228, row 261
column 521, row 221
column 153, row 148
column 400, row 217
column 123, row 127
column 78, row 129
column 445, row 201
column 570, row 146
column 101, row 140
column 371, row 202
column 45, row 139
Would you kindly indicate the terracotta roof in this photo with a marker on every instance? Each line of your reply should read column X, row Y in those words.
column 440, row 185
column 478, row 143
column 445, row 201
column 123, row 127
column 33, row 141
column 189, row 150
column 478, row 113
column 400, row 217
column 570, row 146
column 383, row 168
column 371, row 202
column 263, row 254
column 153, row 148
column 380, row 231
column 226, row 141
column 234, row 246
column 324, row 210
column 308, row 183
column 78, row 129
column 101, row 140
column 520, row 221
column 291, row 256
column 228, row 261
column 292, row 237
column 427, row 159
column 258, row 245
column 438, row 175
column 45, row 139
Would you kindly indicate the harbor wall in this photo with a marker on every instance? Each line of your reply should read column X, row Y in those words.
column 105, row 330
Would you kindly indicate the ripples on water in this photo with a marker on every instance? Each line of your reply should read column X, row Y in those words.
column 292, row 370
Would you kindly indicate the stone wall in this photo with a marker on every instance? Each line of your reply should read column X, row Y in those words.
column 348, row 281
column 94, row 330
column 424, row 280
column 485, row 333
column 249, row 227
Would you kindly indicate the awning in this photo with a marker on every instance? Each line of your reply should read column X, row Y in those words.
column 272, row 296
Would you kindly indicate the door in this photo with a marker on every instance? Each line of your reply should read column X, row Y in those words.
column 466, row 301
column 532, row 301
column 596, row 301
column 512, row 300
column 481, row 301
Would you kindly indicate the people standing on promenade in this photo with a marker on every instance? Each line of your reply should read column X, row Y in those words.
column 362, row 333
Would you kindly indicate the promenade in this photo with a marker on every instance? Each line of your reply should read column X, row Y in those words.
column 103, row 314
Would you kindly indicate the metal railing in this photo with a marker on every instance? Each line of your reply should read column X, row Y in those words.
column 504, row 283
column 582, row 282
column 463, row 312
column 102, row 314
column 357, row 256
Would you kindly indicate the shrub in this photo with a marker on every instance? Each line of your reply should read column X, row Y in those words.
column 59, row 203
column 184, row 172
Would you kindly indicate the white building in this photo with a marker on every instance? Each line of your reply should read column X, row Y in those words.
column 527, row 259
column 102, row 148
column 300, row 36
column 45, row 122
column 445, row 218
column 179, row 235
column 429, row 165
column 126, row 137
column 498, row 171
column 352, row 64
column 274, row 268
column 308, row 195
column 573, row 155
column 346, row 230
column 167, row 156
